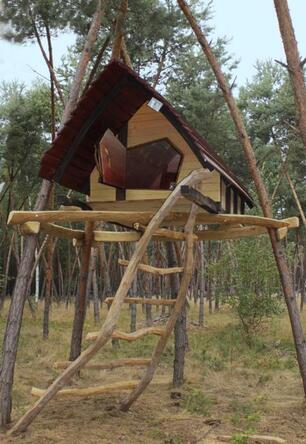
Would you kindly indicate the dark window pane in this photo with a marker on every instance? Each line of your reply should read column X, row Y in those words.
column 153, row 165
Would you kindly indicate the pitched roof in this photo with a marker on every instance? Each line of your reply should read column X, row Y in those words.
column 112, row 99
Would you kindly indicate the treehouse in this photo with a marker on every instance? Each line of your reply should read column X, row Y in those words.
column 126, row 147
column 143, row 167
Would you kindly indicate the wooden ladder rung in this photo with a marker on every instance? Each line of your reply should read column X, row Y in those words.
column 83, row 392
column 92, row 336
column 147, row 301
column 153, row 270
column 88, row 391
column 129, row 362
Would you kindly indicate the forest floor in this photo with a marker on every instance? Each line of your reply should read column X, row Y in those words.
column 230, row 388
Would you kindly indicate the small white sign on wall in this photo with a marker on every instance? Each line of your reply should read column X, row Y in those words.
column 155, row 104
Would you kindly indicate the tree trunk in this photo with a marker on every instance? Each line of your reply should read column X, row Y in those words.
column 14, row 320
column 283, row 269
column 208, row 285
column 147, row 285
column 133, row 307
column 180, row 347
column 85, row 57
column 303, row 277
column 180, row 331
column 296, row 198
column 48, row 287
column 294, row 65
column 6, row 272
column 96, row 302
column 80, row 299
column 202, row 285
column 117, row 43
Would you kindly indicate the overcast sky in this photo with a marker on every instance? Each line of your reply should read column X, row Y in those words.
column 251, row 25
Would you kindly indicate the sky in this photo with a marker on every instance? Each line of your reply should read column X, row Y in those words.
column 250, row 24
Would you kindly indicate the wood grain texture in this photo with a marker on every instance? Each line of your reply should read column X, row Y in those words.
column 88, row 391
column 131, row 217
column 129, row 337
column 147, row 125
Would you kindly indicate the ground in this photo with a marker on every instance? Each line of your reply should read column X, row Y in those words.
column 230, row 388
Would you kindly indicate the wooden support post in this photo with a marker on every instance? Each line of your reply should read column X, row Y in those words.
column 114, row 312
column 80, row 298
column 180, row 301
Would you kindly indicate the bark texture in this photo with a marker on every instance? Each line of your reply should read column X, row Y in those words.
column 180, row 329
column 48, row 288
column 118, row 37
column 80, row 299
column 14, row 319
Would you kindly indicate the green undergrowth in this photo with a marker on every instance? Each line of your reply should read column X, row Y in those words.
column 197, row 402
column 225, row 349
column 227, row 378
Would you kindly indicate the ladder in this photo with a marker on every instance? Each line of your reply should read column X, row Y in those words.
column 108, row 329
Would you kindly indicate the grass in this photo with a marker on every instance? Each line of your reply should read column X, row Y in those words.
column 242, row 389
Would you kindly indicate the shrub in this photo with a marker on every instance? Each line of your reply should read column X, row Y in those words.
column 246, row 278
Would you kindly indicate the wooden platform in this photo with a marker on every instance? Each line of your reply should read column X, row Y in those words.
column 129, row 218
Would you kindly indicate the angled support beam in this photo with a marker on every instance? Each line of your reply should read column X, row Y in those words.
column 199, row 199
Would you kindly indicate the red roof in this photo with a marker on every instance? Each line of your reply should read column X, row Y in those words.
column 110, row 102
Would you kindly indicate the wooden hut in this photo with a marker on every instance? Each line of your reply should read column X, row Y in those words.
column 126, row 147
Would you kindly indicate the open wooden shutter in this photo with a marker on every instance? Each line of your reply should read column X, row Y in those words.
column 111, row 161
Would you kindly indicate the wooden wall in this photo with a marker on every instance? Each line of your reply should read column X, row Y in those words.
column 147, row 125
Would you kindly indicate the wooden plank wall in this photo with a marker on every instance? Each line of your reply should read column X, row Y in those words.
column 147, row 125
